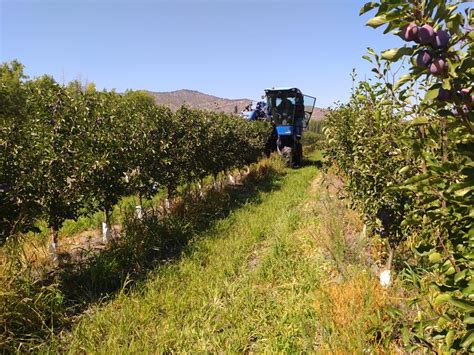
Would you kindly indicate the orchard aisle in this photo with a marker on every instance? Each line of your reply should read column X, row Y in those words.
column 248, row 285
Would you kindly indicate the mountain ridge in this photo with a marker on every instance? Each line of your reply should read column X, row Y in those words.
column 196, row 99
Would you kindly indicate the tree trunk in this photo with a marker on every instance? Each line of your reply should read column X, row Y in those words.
column 444, row 139
column 390, row 256
column 421, row 135
column 53, row 246
column 215, row 184
column 168, row 202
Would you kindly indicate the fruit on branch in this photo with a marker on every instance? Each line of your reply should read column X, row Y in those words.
column 440, row 39
column 438, row 67
column 409, row 32
column 444, row 94
column 424, row 59
column 381, row 231
column 426, row 34
column 466, row 96
column 465, row 91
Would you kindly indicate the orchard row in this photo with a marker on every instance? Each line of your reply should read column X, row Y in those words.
column 70, row 150
column 405, row 150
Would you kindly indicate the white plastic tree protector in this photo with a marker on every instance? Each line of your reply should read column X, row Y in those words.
column 139, row 212
column 385, row 278
column 106, row 233
column 53, row 250
column 201, row 195
column 167, row 204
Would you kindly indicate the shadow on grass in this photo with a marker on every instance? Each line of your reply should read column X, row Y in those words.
column 318, row 163
column 156, row 239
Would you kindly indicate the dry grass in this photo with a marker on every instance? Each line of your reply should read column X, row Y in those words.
column 28, row 306
column 355, row 312
column 351, row 312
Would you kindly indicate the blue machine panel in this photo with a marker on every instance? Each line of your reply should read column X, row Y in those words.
column 284, row 130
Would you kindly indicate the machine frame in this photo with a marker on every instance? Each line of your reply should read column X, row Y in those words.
column 289, row 111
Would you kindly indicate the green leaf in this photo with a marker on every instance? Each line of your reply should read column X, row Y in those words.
column 367, row 7
column 460, row 276
column 464, row 305
column 441, row 299
column 435, row 258
column 377, row 21
column 464, row 191
column 401, row 81
column 450, row 338
column 367, row 58
column 404, row 169
column 468, row 319
column 420, row 121
column 468, row 339
column 395, row 54
column 431, row 94
column 470, row 36
column 446, row 84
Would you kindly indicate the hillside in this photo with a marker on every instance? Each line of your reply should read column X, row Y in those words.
column 196, row 99
column 319, row 113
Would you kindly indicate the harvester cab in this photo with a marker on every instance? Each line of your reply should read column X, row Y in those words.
column 289, row 112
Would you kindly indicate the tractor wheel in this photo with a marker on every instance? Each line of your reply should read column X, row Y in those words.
column 298, row 155
column 287, row 154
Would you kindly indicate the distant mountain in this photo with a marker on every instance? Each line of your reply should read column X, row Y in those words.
column 196, row 99
column 319, row 113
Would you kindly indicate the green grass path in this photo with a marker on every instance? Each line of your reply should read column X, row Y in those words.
column 246, row 285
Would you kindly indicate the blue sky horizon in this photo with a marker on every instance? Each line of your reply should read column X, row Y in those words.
column 227, row 48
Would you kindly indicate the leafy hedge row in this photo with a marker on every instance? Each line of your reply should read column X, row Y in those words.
column 405, row 144
column 70, row 150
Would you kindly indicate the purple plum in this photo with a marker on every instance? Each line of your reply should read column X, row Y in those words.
column 426, row 34
column 466, row 95
column 441, row 39
column 444, row 94
column 424, row 59
column 409, row 32
column 438, row 67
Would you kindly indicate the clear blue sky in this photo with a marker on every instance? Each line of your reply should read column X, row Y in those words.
column 227, row 48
